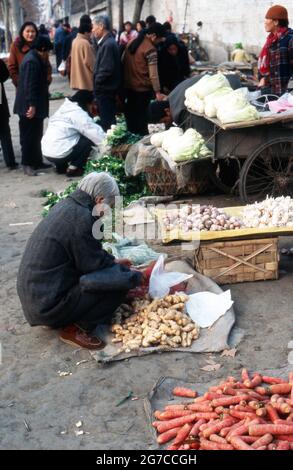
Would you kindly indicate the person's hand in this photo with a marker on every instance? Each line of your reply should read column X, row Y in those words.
column 160, row 96
column 125, row 262
column 262, row 82
column 30, row 114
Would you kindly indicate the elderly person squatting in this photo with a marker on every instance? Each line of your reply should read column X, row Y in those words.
column 61, row 250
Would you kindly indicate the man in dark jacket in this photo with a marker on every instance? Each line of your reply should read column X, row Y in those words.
column 107, row 72
column 32, row 104
column 58, row 258
column 5, row 134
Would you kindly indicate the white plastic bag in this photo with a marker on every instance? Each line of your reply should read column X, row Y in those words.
column 62, row 66
column 205, row 308
column 161, row 281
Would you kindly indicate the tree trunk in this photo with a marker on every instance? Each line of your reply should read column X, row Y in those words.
column 15, row 7
column 137, row 11
column 121, row 16
column 110, row 11
column 5, row 11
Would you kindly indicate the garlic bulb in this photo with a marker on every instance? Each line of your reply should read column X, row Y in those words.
column 272, row 212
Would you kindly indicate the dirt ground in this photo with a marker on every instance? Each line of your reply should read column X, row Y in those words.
column 39, row 409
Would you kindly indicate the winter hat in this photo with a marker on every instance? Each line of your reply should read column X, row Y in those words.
column 277, row 12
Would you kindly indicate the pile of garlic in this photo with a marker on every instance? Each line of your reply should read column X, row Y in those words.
column 200, row 218
column 272, row 212
column 147, row 323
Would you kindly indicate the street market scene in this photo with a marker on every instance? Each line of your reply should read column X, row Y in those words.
column 146, row 201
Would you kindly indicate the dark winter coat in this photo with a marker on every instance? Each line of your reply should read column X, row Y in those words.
column 4, row 110
column 32, row 89
column 60, row 250
column 107, row 71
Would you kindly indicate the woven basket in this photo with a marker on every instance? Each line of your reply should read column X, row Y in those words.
column 120, row 151
column 162, row 182
column 236, row 261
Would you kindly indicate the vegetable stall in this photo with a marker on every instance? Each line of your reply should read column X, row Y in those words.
column 252, row 151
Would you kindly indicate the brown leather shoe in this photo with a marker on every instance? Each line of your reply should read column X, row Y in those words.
column 76, row 337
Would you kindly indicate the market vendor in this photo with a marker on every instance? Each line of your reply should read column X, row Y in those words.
column 60, row 253
column 72, row 133
column 275, row 62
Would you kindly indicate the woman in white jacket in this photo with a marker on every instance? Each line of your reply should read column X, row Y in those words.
column 71, row 134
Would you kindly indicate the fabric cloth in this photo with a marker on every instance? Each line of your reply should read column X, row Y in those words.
column 30, row 132
column 78, row 156
column 82, row 64
column 125, row 37
column 136, row 111
column 16, row 56
column 60, row 250
column 107, row 70
column 141, row 68
column 32, row 89
column 65, row 128
column 276, row 60
column 239, row 55
column 107, row 109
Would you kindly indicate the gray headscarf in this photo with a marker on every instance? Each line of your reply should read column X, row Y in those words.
column 100, row 184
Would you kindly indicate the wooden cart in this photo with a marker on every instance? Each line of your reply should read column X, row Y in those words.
column 254, row 158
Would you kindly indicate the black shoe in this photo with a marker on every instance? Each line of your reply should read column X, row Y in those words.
column 15, row 166
column 29, row 171
column 72, row 173
column 43, row 166
column 61, row 169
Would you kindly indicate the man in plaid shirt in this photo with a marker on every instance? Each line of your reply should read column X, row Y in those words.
column 276, row 58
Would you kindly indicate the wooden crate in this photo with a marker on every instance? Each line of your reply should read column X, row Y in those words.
column 236, row 261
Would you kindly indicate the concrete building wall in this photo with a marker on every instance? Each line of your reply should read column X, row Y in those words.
column 225, row 22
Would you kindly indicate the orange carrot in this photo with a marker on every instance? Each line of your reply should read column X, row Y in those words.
column 284, row 408
column 262, row 448
column 206, row 416
column 241, row 414
column 171, row 414
column 219, row 439
column 216, row 428
column 272, row 380
column 200, row 407
column 175, row 407
column 195, row 430
column 211, row 395
column 199, row 399
column 246, row 409
column 263, row 441
column 281, row 389
column 239, row 444
column 272, row 446
column 208, row 445
column 174, row 423
column 229, row 391
column 255, row 382
column 273, row 414
column 261, row 390
column 283, row 445
column 242, row 430
column 285, row 437
column 184, row 392
column 226, row 431
column 244, row 375
column 172, row 447
column 182, row 434
column 262, row 412
column 226, row 401
column 249, row 439
column 261, row 429
column 167, row 436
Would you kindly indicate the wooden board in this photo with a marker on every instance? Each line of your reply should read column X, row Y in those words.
column 242, row 125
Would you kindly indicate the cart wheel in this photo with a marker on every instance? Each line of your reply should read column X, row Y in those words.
column 225, row 174
column 268, row 171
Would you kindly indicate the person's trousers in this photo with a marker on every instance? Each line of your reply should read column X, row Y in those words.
column 136, row 111
column 6, row 144
column 31, row 133
column 58, row 52
column 77, row 157
column 93, row 309
column 107, row 109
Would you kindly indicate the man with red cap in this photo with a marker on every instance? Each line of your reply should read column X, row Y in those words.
column 275, row 63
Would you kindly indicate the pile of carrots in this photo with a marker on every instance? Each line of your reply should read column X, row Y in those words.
column 255, row 413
